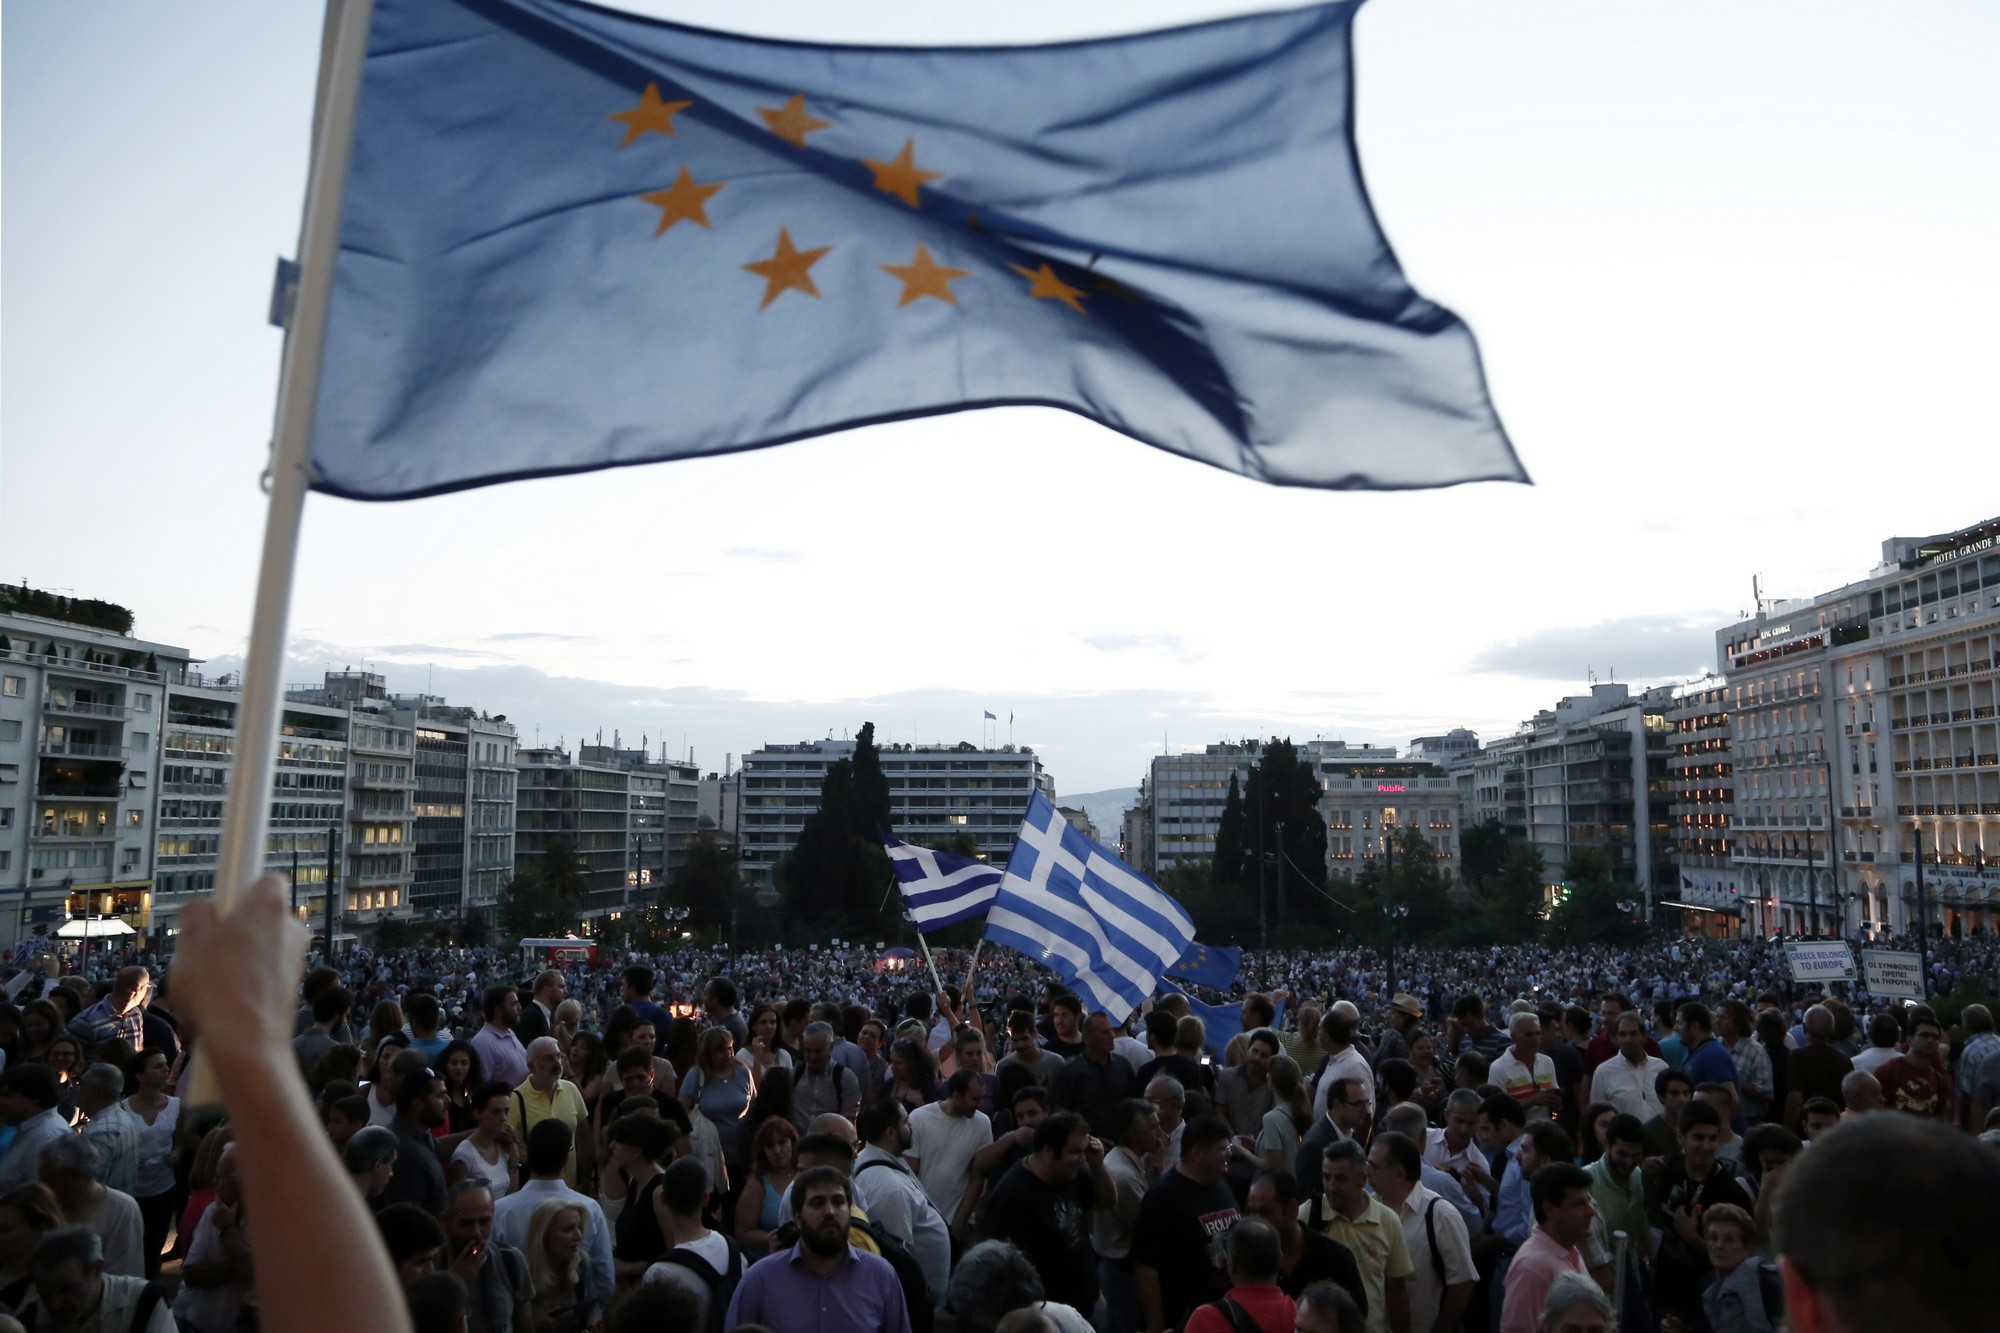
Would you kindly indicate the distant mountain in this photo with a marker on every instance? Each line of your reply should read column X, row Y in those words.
column 1105, row 808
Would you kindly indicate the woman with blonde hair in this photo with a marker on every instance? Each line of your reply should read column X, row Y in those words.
column 1289, row 1117
column 563, row 1301
column 716, row 1093
column 569, row 1017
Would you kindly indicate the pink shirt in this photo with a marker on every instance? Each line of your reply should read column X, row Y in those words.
column 1534, row 1267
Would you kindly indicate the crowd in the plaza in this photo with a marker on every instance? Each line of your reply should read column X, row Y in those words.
column 824, row 1140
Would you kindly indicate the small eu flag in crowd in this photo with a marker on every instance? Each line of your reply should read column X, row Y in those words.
column 1214, row 966
column 573, row 238
column 939, row 888
column 1077, row 909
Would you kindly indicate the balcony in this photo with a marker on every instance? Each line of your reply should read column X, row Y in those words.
column 75, row 833
column 53, row 703
column 81, row 750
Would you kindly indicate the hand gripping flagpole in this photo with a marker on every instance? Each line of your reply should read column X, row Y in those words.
column 246, row 816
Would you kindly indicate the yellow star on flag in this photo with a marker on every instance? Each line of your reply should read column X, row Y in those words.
column 651, row 114
column 923, row 276
column 792, row 122
column 901, row 176
column 788, row 268
column 683, row 201
column 1046, row 286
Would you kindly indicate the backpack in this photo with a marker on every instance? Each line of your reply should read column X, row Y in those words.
column 909, row 1274
column 142, row 1313
column 721, row 1285
column 1431, row 1235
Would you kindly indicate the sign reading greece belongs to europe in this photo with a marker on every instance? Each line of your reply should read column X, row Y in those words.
column 1820, row 960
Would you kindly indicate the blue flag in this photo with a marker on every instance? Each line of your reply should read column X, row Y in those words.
column 1080, row 911
column 939, row 888
column 1220, row 1022
column 1202, row 965
column 574, row 239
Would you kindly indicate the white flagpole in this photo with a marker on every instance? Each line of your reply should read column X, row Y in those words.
column 246, row 814
column 930, row 962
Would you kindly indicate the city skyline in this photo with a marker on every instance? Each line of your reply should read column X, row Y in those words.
column 1730, row 317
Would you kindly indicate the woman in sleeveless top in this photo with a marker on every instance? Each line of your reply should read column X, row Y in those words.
column 488, row 1152
column 771, row 1171
column 640, row 1142
column 159, row 1116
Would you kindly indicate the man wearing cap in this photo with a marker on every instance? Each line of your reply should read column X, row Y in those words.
column 1405, row 1013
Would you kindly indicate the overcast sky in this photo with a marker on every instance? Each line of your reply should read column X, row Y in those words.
column 1731, row 267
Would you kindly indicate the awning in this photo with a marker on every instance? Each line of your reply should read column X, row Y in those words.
column 1736, row 910
column 93, row 927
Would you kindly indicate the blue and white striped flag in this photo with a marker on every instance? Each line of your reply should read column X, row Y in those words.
column 1074, row 907
column 940, row 889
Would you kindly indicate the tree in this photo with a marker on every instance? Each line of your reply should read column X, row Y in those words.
column 1286, row 827
column 1221, row 915
column 708, row 884
column 1588, row 911
column 529, row 909
column 1227, row 867
column 837, row 871
column 1482, row 851
column 958, row 844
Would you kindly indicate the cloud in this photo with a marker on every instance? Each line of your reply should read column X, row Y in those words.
column 430, row 650
column 760, row 553
column 1170, row 644
column 537, row 634
column 1637, row 648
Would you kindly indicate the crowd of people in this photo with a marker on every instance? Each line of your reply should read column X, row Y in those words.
column 1502, row 1140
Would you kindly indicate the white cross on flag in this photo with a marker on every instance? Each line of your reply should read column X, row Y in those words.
column 1074, row 907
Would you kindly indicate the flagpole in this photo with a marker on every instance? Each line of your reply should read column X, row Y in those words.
column 930, row 962
column 246, row 813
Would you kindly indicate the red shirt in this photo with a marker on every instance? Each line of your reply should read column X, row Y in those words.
column 1269, row 1309
column 1907, row 1086
column 1602, row 1048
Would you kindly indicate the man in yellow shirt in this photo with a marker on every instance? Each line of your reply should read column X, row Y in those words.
column 547, row 1095
column 1370, row 1231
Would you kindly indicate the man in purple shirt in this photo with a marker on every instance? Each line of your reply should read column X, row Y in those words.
column 500, row 1053
column 822, row 1284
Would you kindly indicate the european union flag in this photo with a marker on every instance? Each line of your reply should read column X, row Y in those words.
column 1220, row 1023
column 1202, row 965
column 573, row 239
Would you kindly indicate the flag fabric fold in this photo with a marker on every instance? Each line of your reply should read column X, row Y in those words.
column 1202, row 965
column 939, row 888
column 573, row 238
column 1072, row 906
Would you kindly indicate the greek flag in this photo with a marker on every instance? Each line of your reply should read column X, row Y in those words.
column 1077, row 909
column 940, row 889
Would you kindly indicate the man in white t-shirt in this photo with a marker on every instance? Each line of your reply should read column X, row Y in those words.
column 943, row 1138
column 699, row 1258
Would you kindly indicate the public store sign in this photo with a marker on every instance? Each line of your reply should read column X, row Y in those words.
column 1891, row 975
column 1820, row 960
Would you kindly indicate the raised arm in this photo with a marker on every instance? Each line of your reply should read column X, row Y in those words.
column 238, row 973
